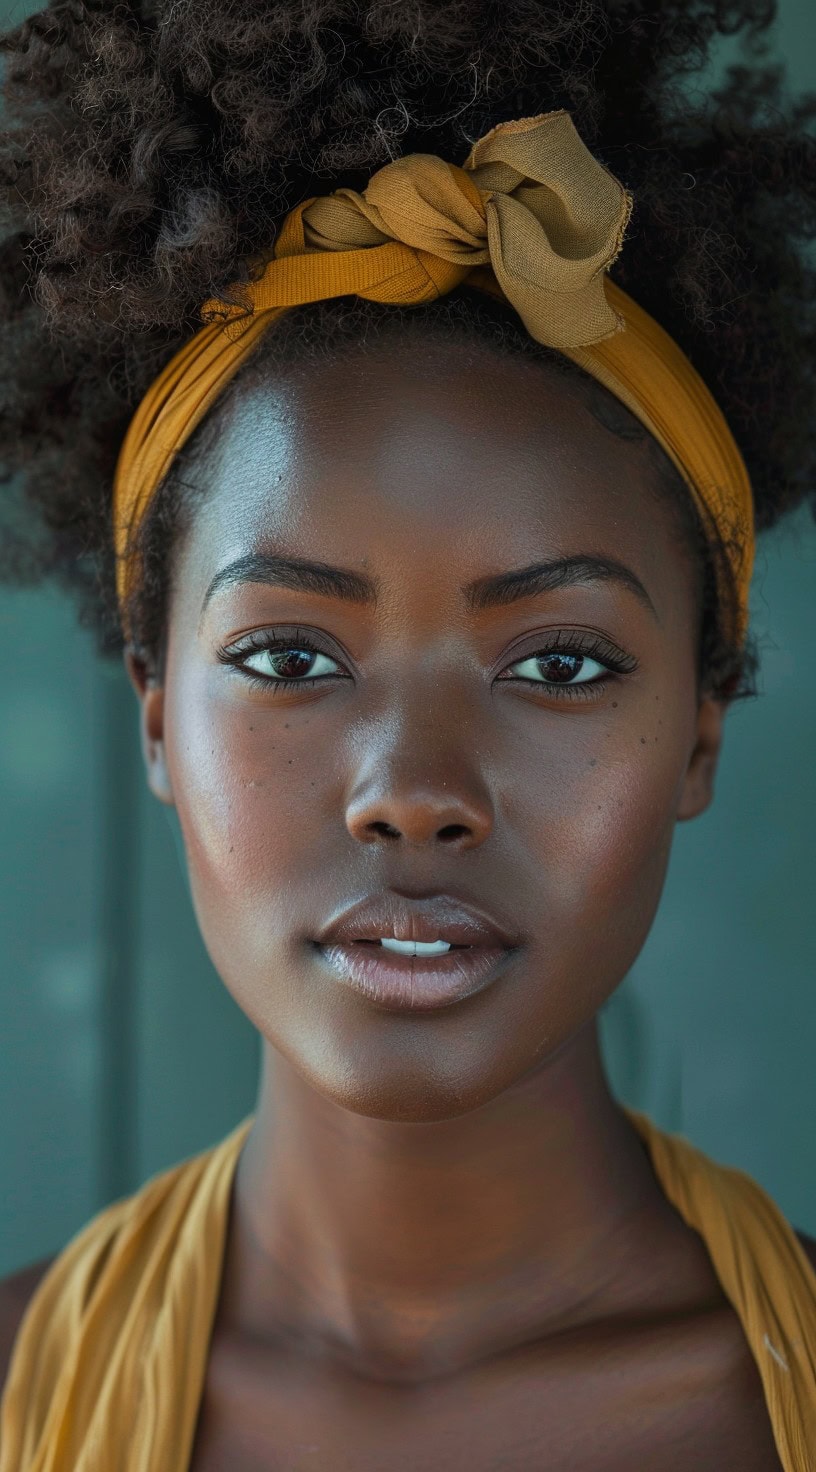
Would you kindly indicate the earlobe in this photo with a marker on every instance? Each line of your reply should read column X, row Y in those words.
column 151, row 701
column 698, row 787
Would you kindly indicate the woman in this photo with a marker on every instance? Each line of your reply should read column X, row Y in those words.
column 428, row 557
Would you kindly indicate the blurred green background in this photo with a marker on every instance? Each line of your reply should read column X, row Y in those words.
column 121, row 1051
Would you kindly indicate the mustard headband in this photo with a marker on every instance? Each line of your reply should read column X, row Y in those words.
column 531, row 217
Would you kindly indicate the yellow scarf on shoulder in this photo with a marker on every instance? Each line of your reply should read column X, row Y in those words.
column 109, row 1363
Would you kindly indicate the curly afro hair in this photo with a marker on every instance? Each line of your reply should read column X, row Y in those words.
column 152, row 148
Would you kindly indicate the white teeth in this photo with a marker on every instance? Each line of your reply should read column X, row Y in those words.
column 416, row 947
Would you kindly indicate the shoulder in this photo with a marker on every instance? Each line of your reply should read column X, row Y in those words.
column 16, row 1292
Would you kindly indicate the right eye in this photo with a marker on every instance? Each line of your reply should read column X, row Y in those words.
column 280, row 661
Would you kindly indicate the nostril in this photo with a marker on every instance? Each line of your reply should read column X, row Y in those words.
column 452, row 830
column 385, row 829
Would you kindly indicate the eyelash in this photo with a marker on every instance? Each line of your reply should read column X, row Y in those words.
column 562, row 641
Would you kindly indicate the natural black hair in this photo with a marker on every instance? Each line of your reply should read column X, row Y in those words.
column 152, row 148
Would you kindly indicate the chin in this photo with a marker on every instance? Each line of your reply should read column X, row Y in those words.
column 419, row 1084
column 410, row 1107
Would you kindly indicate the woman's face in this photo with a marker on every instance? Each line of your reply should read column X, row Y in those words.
column 448, row 744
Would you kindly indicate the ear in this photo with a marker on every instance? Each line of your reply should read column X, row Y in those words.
column 151, row 700
column 698, row 787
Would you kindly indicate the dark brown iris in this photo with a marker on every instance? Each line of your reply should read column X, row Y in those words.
column 289, row 663
column 560, row 668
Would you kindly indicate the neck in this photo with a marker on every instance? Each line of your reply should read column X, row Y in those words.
column 415, row 1248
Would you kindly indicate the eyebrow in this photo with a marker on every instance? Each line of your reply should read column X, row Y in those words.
column 482, row 593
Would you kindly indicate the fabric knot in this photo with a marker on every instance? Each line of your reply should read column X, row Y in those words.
column 429, row 204
column 531, row 204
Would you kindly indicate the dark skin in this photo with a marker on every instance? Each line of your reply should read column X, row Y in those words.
column 446, row 1240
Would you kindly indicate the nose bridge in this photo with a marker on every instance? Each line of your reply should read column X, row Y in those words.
column 417, row 773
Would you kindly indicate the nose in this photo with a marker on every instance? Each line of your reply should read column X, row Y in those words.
column 418, row 817
column 421, row 793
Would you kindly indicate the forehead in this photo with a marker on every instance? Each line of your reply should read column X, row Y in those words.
column 441, row 456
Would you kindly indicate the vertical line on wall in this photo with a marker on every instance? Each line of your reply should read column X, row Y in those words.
column 119, row 910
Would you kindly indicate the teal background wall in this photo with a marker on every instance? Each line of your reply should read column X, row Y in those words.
column 120, row 1050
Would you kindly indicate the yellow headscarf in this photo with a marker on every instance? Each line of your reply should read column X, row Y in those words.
column 108, row 1367
column 531, row 217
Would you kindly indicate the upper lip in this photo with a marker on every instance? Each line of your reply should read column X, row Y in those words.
column 436, row 917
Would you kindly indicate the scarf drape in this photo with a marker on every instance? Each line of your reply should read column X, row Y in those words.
column 110, row 1360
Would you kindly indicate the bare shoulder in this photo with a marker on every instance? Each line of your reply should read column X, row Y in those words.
column 809, row 1244
column 15, row 1294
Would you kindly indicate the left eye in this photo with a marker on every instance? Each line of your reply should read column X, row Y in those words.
column 557, row 667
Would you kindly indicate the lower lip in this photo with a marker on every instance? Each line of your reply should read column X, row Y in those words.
column 414, row 983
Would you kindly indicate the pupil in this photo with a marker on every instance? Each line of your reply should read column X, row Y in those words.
column 288, row 663
column 559, row 668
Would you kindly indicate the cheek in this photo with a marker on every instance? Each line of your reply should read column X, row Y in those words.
column 614, row 847
column 599, row 823
column 249, row 785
